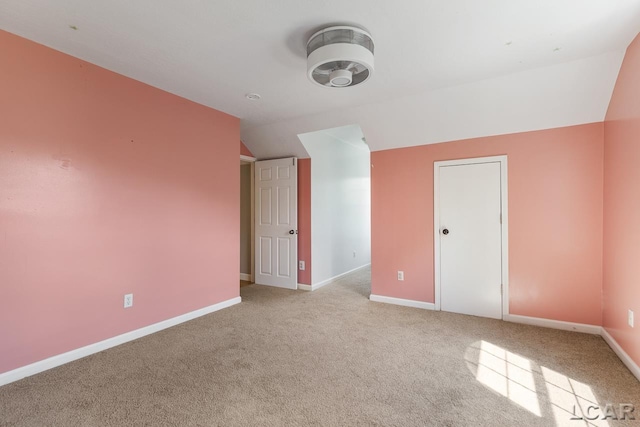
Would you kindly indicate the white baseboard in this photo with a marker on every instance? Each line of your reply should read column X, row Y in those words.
column 553, row 324
column 403, row 302
column 303, row 287
column 246, row 277
column 626, row 359
column 70, row 356
column 331, row 280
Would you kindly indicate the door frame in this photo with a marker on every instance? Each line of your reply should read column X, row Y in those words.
column 248, row 160
column 504, row 207
column 254, row 220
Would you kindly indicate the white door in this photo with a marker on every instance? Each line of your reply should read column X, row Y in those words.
column 470, row 238
column 276, row 223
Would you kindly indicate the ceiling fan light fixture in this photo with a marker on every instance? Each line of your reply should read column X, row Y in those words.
column 340, row 56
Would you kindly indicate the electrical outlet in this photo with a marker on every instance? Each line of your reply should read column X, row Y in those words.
column 400, row 275
column 128, row 300
column 630, row 318
column 301, row 265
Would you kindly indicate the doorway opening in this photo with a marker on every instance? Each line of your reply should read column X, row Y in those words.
column 246, row 220
column 340, row 203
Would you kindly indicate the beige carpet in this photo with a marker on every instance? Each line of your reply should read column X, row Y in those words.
column 330, row 357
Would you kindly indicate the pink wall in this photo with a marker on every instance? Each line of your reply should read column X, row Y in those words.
column 304, row 219
column 244, row 151
column 555, row 219
column 107, row 186
column 621, row 287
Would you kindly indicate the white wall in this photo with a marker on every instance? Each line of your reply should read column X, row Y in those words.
column 340, row 201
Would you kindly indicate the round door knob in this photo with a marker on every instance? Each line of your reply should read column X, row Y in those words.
column 445, row 231
column 292, row 232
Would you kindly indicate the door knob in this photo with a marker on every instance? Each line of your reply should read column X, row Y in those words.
column 292, row 232
column 445, row 231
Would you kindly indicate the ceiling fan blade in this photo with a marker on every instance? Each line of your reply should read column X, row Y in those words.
column 322, row 72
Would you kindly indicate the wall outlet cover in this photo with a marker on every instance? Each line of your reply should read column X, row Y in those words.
column 128, row 300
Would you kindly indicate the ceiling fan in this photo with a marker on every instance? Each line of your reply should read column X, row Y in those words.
column 340, row 56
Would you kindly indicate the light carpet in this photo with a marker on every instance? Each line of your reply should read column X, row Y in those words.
column 331, row 357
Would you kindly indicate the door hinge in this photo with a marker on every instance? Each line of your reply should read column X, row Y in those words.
column 501, row 286
column 500, row 217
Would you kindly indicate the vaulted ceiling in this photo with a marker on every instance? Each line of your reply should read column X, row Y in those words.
column 445, row 70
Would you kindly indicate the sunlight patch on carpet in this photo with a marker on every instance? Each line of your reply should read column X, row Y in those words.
column 571, row 402
column 505, row 373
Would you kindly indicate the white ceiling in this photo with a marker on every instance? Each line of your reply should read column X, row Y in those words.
column 560, row 95
column 444, row 69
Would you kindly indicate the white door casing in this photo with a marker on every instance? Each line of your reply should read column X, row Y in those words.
column 250, row 161
column 471, row 256
column 276, row 223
